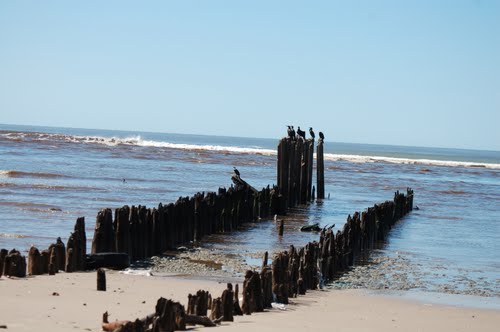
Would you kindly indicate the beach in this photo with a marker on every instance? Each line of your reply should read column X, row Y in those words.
column 70, row 302
column 429, row 253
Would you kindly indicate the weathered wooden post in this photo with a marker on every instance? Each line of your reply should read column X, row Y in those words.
column 216, row 310
column 320, row 170
column 280, row 277
column 76, row 248
column 60, row 253
column 34, row 262
column 101, row 279
column 310, row 156
column 44, row 261
column 281, row 227
column 252, row 293
column 227, row 303
column 104, row 234
column 53, row 267
column 169, row 316
column 15, row 264
column 122, row 229
column 80, row 244
column 236, row 302
column 3, row 254
column 266, row 275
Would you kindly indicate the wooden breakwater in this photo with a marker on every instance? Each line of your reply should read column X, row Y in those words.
column 335, row 253
column 143, row 232
column 295, row 170
column 293, row 272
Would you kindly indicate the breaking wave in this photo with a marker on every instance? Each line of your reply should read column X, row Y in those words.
column 394, row 160
column 141, row 142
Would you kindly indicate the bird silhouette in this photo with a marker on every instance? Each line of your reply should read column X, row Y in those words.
column 321, row 135
column 236, row 172
column 311, row 132
column 301, row 133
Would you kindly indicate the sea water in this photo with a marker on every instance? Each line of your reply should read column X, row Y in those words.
column 450, row 244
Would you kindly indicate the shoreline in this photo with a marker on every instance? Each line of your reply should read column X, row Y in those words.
column 31, row 304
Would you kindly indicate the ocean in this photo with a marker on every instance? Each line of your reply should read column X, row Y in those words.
column 450, row 244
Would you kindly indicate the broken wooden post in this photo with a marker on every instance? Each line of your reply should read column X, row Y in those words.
column 170, row 316
column 252, row 293
column 266, row 276
column 53, row 262
column 198, row 304
column 236, row 302
column 216, row 311
column 101, row 279
column 77, row 245
column 122, row 230
column 227, row 303
column 104, row 234
column 60, row 252
column 264, row 260
column 34, row 262
column 15, row 264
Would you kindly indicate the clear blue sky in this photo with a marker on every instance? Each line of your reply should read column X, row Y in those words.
column 423, row 73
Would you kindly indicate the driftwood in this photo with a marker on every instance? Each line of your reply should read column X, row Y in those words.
column 110, row 260
column 311, row 228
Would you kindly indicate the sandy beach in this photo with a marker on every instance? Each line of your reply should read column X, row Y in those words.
column 70, row 302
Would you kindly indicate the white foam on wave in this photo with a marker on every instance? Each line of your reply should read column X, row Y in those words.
column 137, row 140
column 395, row 160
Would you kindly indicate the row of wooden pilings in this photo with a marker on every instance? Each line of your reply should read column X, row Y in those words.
column 57, row 257
column 295, row 170
column 292, row 272
column 143, row 232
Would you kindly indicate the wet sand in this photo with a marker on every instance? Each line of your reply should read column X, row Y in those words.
column 70, row 302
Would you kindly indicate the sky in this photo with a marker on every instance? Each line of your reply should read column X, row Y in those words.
column 417, row 73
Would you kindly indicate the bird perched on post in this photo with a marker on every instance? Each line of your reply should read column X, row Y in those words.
column 301, row 133
column 236, row 172
column 311, row 132
column 321, row 135
column 289, row 132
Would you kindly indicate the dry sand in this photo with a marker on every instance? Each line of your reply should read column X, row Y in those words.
column 29, row 305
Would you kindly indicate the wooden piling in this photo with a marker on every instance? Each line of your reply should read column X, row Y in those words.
column 227, row 303
column 101, row 279
column 34, row 262
column 15, row 264
column 53, row 263
column 216, row 311
column 320, row 170
column 252, row 293
column 104, row 234
column 3, row 254
column 169, row 316
column 236, row 302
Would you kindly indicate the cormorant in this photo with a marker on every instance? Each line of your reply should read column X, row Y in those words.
column 289, row 131
column 301, row 133
column 236, row 172
column 321, row 135
column 293, row 133
column 311, row 132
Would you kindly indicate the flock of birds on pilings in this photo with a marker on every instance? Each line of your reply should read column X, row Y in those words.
column 293, row 135
column 302, row 134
